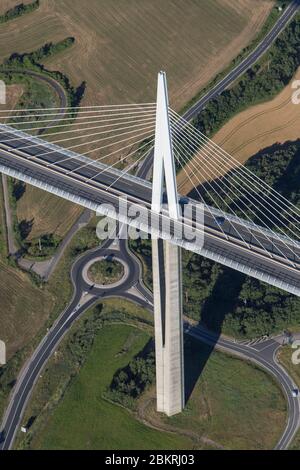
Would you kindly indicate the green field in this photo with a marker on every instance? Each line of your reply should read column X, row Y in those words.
column 83, row 420
column 233, row 405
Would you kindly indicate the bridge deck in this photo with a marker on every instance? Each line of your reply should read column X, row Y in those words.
column 258, row 257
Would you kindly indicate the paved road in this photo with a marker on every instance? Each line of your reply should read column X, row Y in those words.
column 132, row 289
column 250, row 60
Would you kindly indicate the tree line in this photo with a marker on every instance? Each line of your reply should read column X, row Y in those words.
column 19, row 10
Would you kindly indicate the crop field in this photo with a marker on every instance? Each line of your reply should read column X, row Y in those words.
column 263, row 125
column 24, row 308
column 48, row 213
column 121, row 45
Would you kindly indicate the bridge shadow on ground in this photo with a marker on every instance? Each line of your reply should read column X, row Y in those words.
column 220, row 303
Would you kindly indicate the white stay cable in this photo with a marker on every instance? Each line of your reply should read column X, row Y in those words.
column 116, row 151
column 83, row 137
column 246, row 216
column 213, row 157
column 124, row 127
column 75, row 116
column 107, row 112
column 208, row 162
column 254, row 180
column 187, row 162
column 143, row 135
column 122, row 159
column 68, row 124
column 200, row 195
column 127, row 169
column 112, row 106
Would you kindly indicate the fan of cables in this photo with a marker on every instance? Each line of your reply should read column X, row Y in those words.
column 221, row 182
column 117, row 135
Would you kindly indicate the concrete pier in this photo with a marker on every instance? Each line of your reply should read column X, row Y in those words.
column 167, row 291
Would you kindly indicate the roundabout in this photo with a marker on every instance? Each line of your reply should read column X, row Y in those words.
column 130, row 285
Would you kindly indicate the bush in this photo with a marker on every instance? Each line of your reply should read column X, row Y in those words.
column 130, row 382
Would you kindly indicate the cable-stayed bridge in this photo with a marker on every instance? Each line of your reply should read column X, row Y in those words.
column 88, row 155
column 237, row 241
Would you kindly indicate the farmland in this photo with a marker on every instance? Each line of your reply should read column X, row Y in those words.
column 24, row 308
column 48, row 213
column 120, row 46
column 261, row 126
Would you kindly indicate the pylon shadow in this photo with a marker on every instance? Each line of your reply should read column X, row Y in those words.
column 217, row 306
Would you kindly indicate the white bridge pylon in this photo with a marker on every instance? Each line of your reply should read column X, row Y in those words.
column 166, row 262
column 163, row 164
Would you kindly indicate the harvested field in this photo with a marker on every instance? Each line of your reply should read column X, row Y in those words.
column 13, row 94
column 49, row 213
column 120, row 46
column 24, row 308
